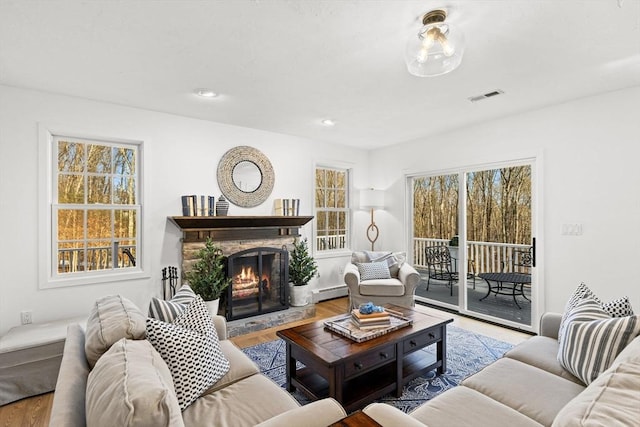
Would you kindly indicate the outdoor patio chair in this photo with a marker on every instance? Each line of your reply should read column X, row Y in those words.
column 439, row 266
column 521, row 261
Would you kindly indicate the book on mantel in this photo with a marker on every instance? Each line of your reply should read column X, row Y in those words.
column 370, row 321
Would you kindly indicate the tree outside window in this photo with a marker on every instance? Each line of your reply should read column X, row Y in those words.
column 332, row 209
column 96, row 207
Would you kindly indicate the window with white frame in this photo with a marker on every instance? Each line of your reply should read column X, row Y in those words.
column 332, row 209
column 95, row 207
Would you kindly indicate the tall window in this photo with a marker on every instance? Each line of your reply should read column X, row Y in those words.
column 332, row 209
column 96, row 209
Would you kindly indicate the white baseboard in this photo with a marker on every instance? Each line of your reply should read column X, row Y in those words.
column 329, row 293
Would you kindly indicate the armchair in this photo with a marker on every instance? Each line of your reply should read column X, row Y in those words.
column 398, row 287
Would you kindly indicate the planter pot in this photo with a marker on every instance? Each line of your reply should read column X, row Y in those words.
column 299, row 296
column 213, row 306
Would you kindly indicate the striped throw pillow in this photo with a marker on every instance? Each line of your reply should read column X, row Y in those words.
column 620, row 307
column 167, row 311
column 592, row 339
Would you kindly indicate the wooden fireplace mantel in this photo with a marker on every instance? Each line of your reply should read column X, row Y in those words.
column 198, row 228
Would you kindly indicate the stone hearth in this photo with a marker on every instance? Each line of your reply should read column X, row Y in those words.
column 269, row 320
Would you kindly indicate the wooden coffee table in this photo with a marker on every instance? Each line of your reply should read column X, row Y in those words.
column 356, row 373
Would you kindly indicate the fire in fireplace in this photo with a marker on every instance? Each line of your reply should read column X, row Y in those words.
column 259, row 278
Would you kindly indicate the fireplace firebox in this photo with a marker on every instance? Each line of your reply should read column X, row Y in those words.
column 259, row 282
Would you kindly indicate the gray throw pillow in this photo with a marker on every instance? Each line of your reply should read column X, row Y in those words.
column 112, row 317
column 373, row 270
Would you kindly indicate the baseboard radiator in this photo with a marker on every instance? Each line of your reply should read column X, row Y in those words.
column 329, row 293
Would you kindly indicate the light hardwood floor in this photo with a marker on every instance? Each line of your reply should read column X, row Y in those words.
column 35, row 411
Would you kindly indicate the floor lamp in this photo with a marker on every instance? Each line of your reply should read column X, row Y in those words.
column 372, row 199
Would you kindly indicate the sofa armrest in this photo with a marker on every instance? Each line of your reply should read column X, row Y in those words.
column 320, row 413
column 389, row 416
column 69, row 398
column 550, row 324
column 409, row 277
column 221, row 326
column 351, row 277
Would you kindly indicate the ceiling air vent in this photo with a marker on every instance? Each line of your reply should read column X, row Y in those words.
column 486, row 95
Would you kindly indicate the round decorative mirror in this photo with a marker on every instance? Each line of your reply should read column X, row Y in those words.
column 245, row 176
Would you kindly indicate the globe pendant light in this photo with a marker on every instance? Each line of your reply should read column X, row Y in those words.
column 437, row 48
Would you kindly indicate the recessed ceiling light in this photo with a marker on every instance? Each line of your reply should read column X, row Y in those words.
column 205, row 93
column 328, row 122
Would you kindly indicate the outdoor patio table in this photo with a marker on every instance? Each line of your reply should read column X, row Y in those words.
column 516, row 280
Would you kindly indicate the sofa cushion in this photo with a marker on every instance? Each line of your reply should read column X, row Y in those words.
column 592, row 339
column 191, row 349
column 620, row 307
column 373, row 270
column 131, row 385
column 479, row 410
column 112, row 318
column 525, row 388
column 167, row 311
column 541, row 352
column 240, row 366
column 611, row 399
column 382, row 287
column 243, row 403
column 320, row 413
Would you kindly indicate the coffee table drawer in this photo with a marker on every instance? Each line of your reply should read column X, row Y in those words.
column 421, row 340
column 370, row 360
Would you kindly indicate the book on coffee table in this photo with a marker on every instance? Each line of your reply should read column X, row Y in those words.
column 370, row 321
column 344, row 325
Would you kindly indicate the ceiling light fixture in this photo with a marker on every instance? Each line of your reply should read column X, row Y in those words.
column 205, row 93
column 437, row 48
column 328, row 122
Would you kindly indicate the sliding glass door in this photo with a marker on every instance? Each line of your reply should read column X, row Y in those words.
column 473, row 241
column 435, row 230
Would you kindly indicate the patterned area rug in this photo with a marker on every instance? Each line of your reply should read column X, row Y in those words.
column 467, row 353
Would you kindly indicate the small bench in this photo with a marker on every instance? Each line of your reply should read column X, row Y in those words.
column 30, row 358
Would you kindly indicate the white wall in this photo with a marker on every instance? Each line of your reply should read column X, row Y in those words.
column 590, row 150
column 181, row 157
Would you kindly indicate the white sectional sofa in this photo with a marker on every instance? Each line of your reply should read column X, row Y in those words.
column 136, row 390
column 529, row 387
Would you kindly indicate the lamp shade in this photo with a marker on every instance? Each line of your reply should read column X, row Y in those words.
column 371, row 199
column 435, row 49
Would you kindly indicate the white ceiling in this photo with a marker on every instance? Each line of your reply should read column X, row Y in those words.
column 283, row 65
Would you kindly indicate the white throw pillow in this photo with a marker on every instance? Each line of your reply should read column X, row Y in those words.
column 191, row 349
column 592, row 339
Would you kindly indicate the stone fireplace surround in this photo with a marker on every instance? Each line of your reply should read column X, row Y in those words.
column 234, row 234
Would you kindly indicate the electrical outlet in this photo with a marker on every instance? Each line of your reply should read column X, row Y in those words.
column 571, row 229
column 25, row 317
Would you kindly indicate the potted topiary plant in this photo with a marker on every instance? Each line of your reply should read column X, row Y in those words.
column 208, row 276
column 302, row 268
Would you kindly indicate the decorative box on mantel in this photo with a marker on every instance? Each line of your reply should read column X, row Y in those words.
column 221, row 228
